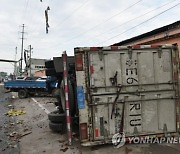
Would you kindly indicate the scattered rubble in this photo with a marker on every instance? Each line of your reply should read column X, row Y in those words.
column 13, row 134
column 64, row 149
column 61, row 140
column 19, row 121
column 15, row 112
column 50, row 102
column 27, row 133
column 10, row 106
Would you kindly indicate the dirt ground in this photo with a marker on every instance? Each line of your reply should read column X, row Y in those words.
column 37, row 138
column 8, row 139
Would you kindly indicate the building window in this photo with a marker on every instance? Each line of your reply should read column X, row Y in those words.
column 36, row 66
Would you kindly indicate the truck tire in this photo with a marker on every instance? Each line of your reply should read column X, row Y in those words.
column 71, row 96
column 57, row 127
column 57, row 117
column 22, row 93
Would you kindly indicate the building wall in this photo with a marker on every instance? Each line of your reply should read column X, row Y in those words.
column 175, row 40
column 170, row 37
column 170, row 41
column 40, row 73
column 36, row 65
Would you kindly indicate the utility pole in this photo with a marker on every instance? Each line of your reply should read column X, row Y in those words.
column 30, row 50
column 28, row 62
column 22, row 46
column 15, row 63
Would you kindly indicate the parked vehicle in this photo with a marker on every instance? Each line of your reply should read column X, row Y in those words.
column 20, row 78
column 30, row 86
column 44, row 78
column 1, row 79
column 130, row 89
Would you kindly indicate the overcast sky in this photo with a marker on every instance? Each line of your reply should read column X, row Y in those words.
column 75, row 23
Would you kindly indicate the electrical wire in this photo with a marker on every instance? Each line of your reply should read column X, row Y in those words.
column 105, row 21
column 142, row 15
column 139, row 24
column 108, row 19
column 72, row 13
column 25, row 10
column 24, row 13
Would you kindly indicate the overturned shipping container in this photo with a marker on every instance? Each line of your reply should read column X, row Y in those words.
column 130, row 89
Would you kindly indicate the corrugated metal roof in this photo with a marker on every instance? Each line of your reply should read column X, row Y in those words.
column 153, row 32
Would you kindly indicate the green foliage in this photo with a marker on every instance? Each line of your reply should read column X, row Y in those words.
column 3, row 74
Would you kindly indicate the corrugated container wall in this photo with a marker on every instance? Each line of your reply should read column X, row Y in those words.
column 127, row 89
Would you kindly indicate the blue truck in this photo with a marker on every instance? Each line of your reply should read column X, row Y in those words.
column 31, row 86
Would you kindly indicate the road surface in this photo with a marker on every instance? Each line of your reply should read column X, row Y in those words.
column 35, row 137
column 8, row 139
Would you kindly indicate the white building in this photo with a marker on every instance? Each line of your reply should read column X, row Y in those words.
column 34, row 65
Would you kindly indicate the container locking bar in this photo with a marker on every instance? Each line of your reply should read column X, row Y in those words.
column 114, row 103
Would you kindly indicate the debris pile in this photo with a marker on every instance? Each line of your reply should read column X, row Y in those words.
column 15, row 112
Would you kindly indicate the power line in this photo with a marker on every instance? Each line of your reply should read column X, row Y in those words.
column 106, row 20
column 23, row 15
column 120, row 12
column 73, row 12
column 34, row 26
column 25, row 10
column 131, row 20
column 85, row 2
column 38, row 7
column 76, row 9
column 140, row 24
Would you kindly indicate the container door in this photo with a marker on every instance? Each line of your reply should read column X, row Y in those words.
column 132, row 92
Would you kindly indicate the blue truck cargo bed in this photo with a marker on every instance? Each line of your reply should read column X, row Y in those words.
column 25, row 84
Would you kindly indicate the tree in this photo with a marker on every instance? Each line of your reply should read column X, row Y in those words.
column 3, row 74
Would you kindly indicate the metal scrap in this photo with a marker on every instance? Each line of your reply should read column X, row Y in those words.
column 27, row 133
column 64, row 149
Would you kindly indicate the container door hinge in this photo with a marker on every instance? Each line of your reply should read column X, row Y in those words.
column 100, row 53
column 165, row 130
column 159, row 52
column 130, row 52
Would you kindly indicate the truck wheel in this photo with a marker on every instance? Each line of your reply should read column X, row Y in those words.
column 71, row 96
column 57, row 127
column 57, row 117
column 22, row 93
